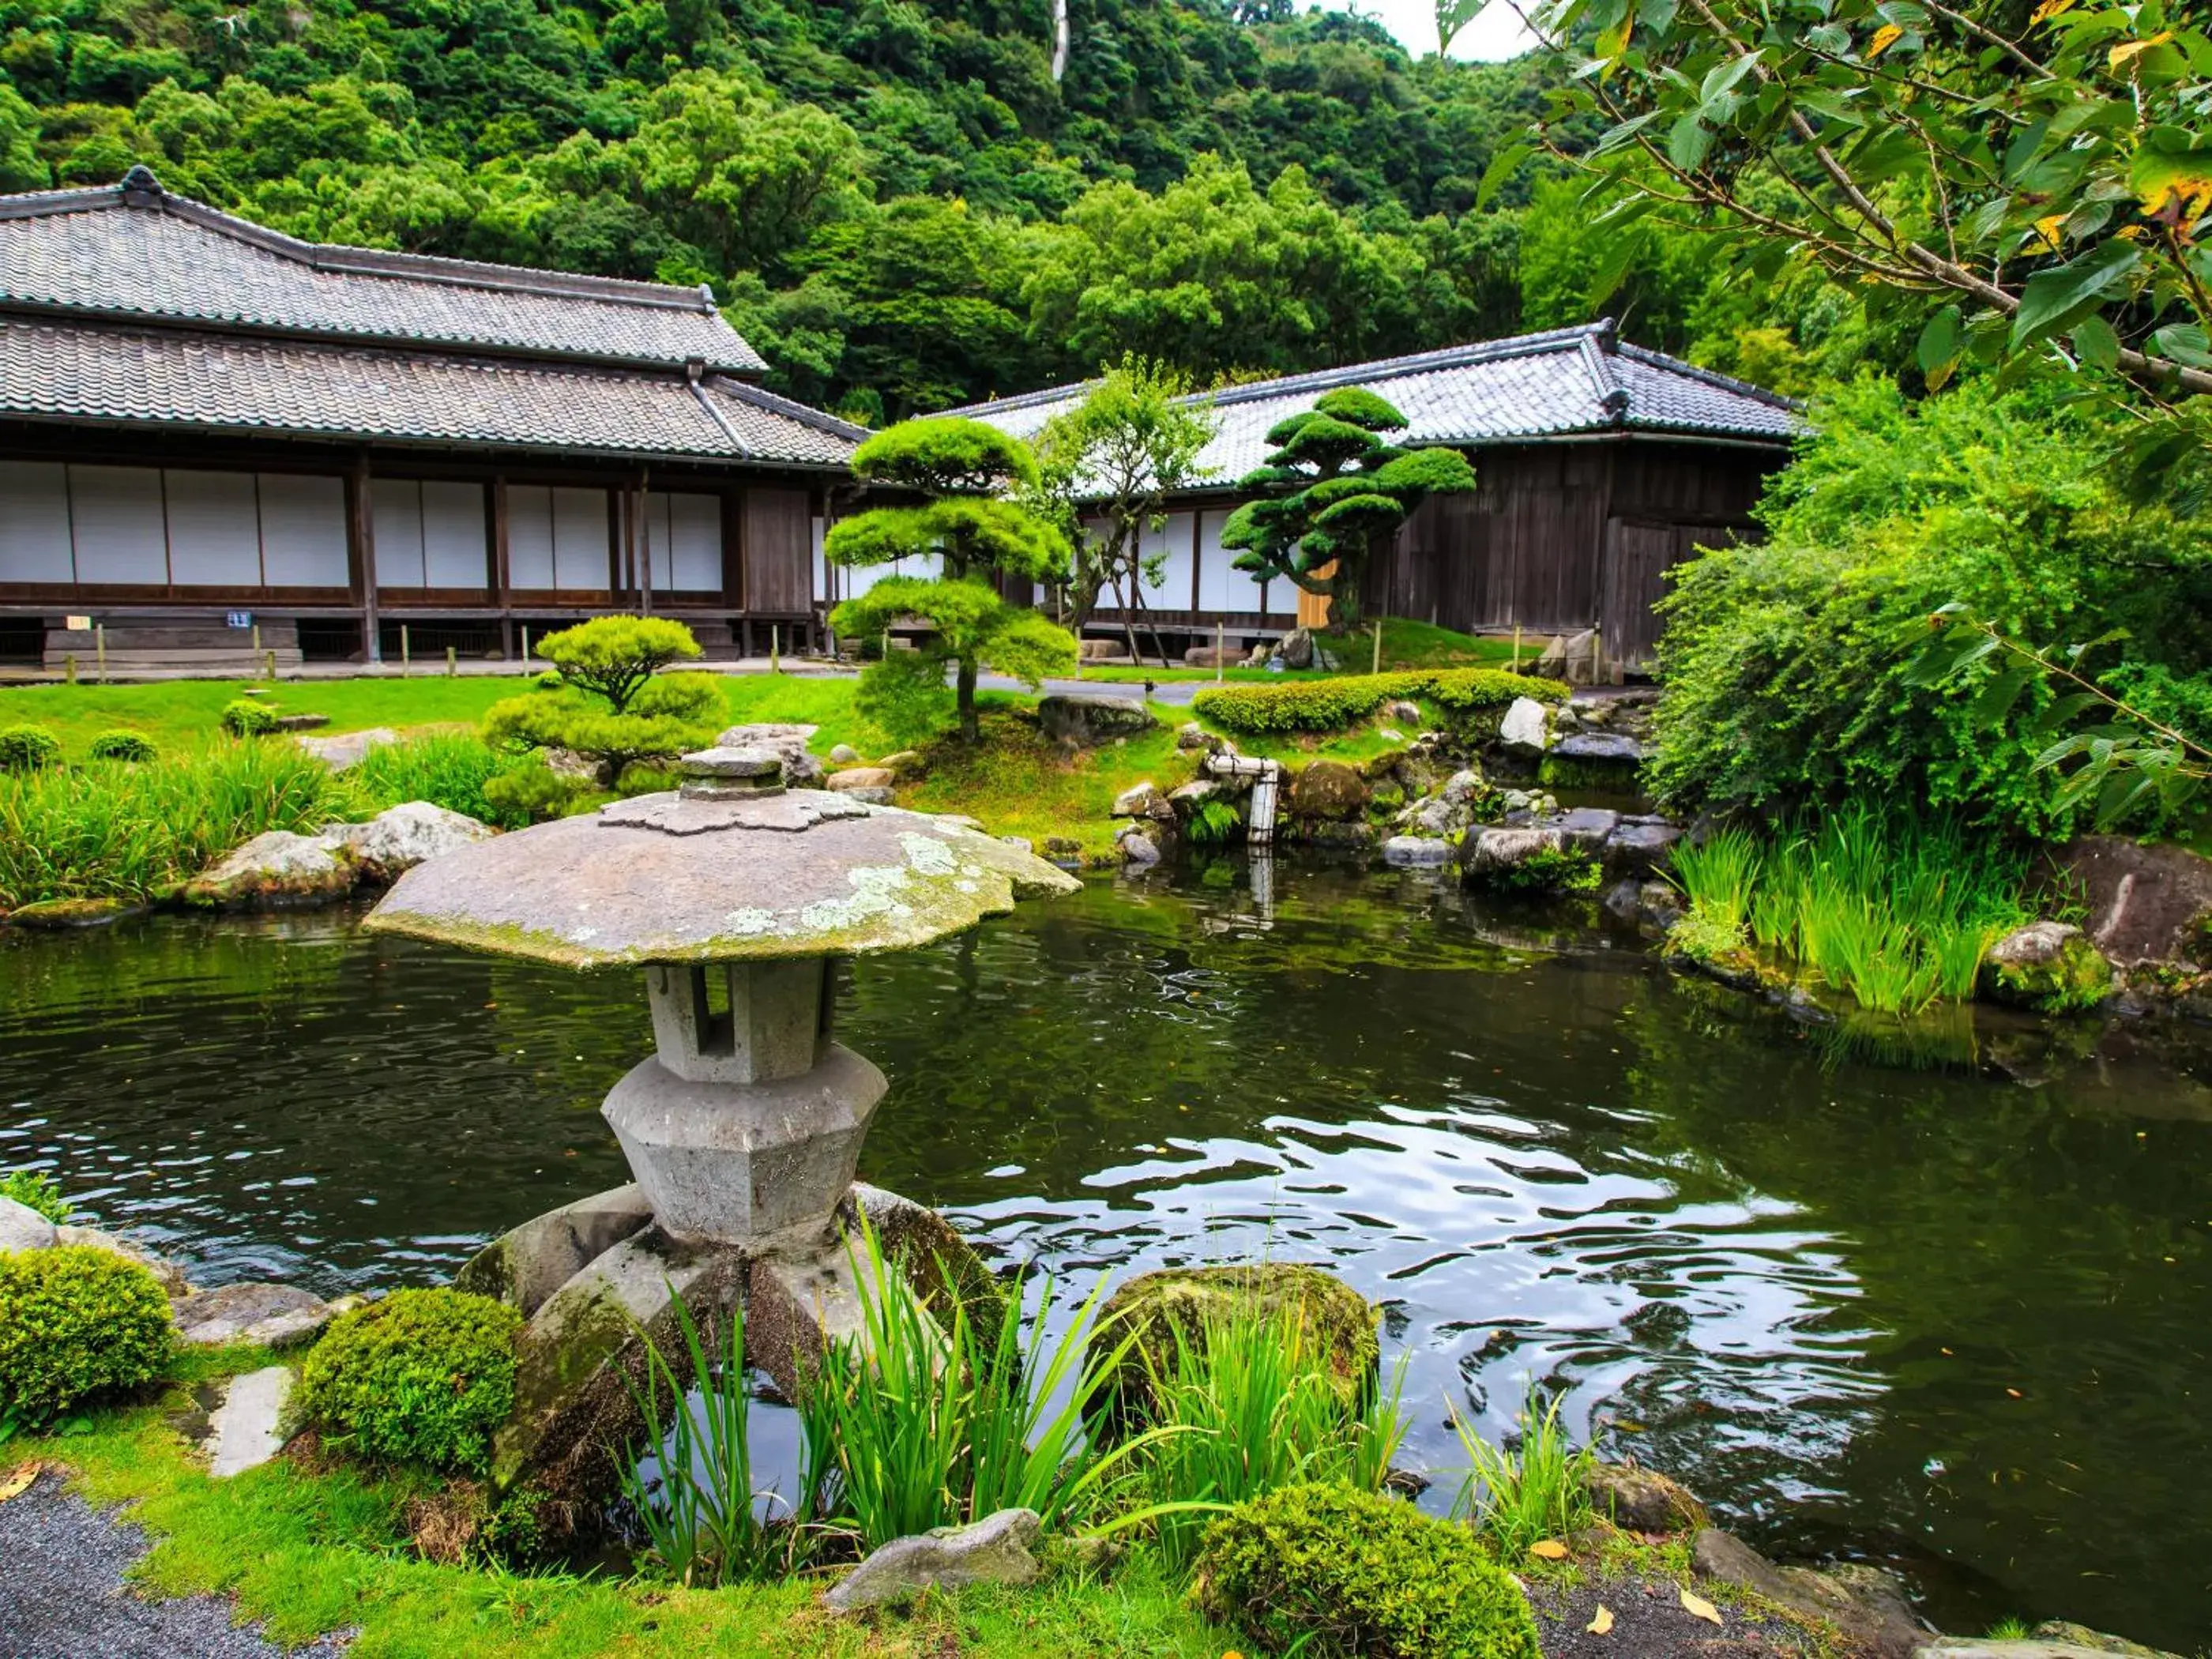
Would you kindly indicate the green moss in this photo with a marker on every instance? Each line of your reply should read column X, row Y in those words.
column 76, row 1323
column 421, row 1376
column 243, row 717
column 1473, row 700
column 2077, row 978
column 72, row 912
column 1571, row 772
column 1327, row 1571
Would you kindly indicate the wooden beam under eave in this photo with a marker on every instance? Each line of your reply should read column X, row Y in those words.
column 361, row 555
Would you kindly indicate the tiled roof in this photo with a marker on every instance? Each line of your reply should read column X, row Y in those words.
column 55, row 369
column 132, row 252
column 1569, row 382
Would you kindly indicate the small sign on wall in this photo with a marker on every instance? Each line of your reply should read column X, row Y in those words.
column 237, row 618
column 78, row 625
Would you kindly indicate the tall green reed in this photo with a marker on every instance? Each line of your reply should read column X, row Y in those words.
column 1248, row 1406
column 446, row 768
column 1528, row 1490
column 108, row 830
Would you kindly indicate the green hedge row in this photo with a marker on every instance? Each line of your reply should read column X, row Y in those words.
column 1331, row 705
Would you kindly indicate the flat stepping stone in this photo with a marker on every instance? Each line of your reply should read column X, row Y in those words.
column 271, row 1316
column 242, row 1431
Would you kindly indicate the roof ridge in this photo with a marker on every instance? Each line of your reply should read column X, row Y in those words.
column 1712, row 377
column 1419, row 362
column 140, row 188
column 776, row 404
column 1048, row 394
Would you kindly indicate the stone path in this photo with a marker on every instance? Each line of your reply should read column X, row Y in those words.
column 62, row 1595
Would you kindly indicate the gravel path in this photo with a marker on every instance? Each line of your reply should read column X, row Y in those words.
column 61, row 1593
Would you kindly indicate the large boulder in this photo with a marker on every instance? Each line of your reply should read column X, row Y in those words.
column 993, row 1551
column 1416, row 852
column 347, row 749
column 1140, row 800
column 1490, row 852
column 276, row 870
column 525, row 1265
column 400, row 837
column 853, row 779
column 166, row 1274
column 1328, row 789
column 2048, row 966
column 1868, row 1607
column 1527, row 727
column 1641, row 844
column 1593, row 760
column 1586, row 828
column 22, row 1228
column 62, row 916
column 800, row 768
column 267, row 1316
column 2144, row 904
column 1087, row 720
column 1638, row 1499
column 1173, row 1307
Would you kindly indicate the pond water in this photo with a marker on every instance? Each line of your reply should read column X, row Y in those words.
column 1937, row 1318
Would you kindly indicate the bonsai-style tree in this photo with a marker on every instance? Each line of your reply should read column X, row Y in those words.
column 612, row 704
column 1332, row 484
column 1120, row 452
column 964, row 470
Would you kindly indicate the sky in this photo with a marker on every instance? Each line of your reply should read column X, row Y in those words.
column 1497, row 31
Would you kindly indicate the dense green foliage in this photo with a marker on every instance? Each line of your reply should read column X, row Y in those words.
column 1896, row 910
column 1788, row 666
column 896, row 203
column 1327, row 1571
column 451, row 770
column 1331, row 487
column 1533, row 1489
column 420, row 1377
column 1332, row 704
column 28, row 749
column 129, row 746
column 244, row 718
column 76, row 1322
column 613, row 657
column 36, row 1190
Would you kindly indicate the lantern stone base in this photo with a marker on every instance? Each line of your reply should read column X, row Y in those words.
column 590, row 1277
column 736, row 1162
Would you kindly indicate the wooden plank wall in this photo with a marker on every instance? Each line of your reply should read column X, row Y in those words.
column 779, row 552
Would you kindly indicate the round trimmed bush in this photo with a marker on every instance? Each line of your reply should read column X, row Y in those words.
column 123, row 746
column 422, row 1377
column 28, row 749
column 1327, row 1571
column 76, row 1322
column 244, row 718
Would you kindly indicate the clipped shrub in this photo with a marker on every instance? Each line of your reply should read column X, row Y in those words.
column 1333, row 704
column 76, row 1322
column 527, row 790
column 36, row 1191
column 28, row 749
column 421, row 1376
column 129, row 746
column 242, row 717
column 1326, row 1570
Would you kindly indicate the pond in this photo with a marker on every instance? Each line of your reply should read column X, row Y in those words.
column 1935, row 1318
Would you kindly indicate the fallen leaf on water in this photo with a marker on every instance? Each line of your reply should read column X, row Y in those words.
column 1698, row 1607
column 1551, row 1549
column 18, row 1481
column 1602, row 1624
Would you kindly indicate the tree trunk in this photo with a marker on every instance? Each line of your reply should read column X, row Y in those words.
column 971, row 728
column 1344, row 596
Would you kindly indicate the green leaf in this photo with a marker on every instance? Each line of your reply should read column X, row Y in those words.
column 1687, row 144
column 1998, row 696
column 2185, row 344
column 1502, row 165
column 1940, row 341
column 2096, row 344
column 2052, row 296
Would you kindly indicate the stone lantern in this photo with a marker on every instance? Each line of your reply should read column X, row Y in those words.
column 734, row 895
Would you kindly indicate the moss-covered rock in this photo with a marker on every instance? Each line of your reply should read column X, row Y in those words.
column 1158, row 1308
column 1328, row 789
column 1327, row 1570
column 2050, row 967
column 57, row 915
column 1642, row 1500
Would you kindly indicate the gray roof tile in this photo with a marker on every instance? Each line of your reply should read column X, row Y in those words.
column 132, row 252
column 1565, row 383
column 56, row 369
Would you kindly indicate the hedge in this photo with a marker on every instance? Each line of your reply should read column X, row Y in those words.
column 1332, row 704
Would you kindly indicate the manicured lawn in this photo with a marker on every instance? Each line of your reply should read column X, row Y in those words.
column 179, row 715
column 1406, row 644
column 315, row 1551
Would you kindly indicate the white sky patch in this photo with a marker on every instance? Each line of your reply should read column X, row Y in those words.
column 1496, row 31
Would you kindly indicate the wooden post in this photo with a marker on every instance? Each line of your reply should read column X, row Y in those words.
column 1378, row 646
column 775, row 649
column 1517, row 647
column 525, row 648
column 406, row 653
column 452, row 661
column 269, row 667
column 68, row 668
column 256, row 639
column 100, row 648
column 1218, row 631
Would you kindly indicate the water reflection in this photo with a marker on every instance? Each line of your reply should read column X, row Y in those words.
column 1939, row 1317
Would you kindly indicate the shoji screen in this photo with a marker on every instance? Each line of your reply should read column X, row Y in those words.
column 1221, row 586
column 529, row 536
column 397, row 508
column 1171, row 545
column 456, row 552
column 686, row 531
column 214, row 529
column 35, row 523
column 116, row 512
column 303, row 531
column 579, row 540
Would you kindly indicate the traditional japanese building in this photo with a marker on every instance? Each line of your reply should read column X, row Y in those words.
column 1601, row 464
column 211, row 433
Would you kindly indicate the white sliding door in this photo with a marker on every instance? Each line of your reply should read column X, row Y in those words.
column 579, row 540
column 529, row 536
column 303, row 531
column 396, row 508
column 456, row 551
column 1221, row 586
column 116, row 513
column 214, row 529
column 35, row 523
column 1171, row 545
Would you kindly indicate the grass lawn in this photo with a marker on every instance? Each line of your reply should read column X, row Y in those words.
column 1405, row 645
column 312, row 1552
column 181, row 715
